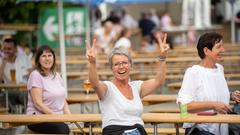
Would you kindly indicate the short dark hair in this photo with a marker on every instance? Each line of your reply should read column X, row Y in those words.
column 207, row 40
column 39, row 52
column 10, row 40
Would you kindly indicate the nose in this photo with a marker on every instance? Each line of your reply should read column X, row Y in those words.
column 121, row 64
column 48, row 58
column 223, row 49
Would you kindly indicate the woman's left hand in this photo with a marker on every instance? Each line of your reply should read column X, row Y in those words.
column 163, row 46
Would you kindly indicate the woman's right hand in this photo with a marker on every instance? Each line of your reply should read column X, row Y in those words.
column 91, row 52
column 235, row 96
column 221, row 107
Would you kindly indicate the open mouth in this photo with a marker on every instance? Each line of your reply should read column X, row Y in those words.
column 122, row 72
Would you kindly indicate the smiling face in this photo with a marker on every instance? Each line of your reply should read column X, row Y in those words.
column 121, row 67
column 46, row 60
column 216, row 53
column 9, row 49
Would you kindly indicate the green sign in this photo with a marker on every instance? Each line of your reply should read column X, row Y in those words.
column 74, row 27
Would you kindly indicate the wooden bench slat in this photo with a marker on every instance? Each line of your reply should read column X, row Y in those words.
column 148, row 130
column 3, row 110
column 165, row 111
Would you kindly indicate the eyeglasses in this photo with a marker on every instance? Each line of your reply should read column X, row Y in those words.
column 122, row 63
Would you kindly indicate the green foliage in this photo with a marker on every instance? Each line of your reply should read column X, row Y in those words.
column 24, row 12
column 14, row 13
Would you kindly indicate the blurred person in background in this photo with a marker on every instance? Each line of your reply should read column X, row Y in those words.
column 1, row 52
column 128, row 21
column 124, row 41
column 154, row 17
column 196, row 13
column 147, row 45
column 21, row 65
column 166, row 21
column 106, row 37
column 237, row 21
column 97, row 22
column 146, row 25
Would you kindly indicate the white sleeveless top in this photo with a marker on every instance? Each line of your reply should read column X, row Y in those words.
column 117, row 109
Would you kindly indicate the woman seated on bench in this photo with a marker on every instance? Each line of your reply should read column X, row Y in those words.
column 204, row 87
column 120, row 99
column 46, row 93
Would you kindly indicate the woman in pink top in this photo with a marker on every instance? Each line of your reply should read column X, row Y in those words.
column 46, row 93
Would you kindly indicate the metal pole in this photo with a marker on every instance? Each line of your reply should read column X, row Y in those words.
column 155, row 131
column 88, row 21
column 177, row 128
column 90, row 129
column 233, row 22
column 61, row 42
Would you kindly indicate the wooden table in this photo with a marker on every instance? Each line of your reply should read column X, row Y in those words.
column 177, row 85
column 21, row 86
column 154, row 118
column 7, row 86
column 10, row 121
column 82, row 98
column 159, row 98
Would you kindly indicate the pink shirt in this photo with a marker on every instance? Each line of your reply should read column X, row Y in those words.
column 52, row 89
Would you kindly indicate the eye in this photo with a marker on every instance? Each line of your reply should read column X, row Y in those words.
column 124, row 63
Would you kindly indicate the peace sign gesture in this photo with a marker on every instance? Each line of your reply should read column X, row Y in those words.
column 163, row 46
column 91, row 52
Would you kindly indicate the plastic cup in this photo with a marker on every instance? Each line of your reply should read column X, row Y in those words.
column 183, row 110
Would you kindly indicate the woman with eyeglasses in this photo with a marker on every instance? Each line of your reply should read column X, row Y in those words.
column 120, row 98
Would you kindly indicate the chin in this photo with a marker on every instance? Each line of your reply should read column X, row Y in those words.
column 220, row 59
column 121, row 78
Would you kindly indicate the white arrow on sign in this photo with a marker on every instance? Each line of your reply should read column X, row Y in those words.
column 50, row 29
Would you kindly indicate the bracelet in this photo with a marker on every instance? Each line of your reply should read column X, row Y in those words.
column 161, row 58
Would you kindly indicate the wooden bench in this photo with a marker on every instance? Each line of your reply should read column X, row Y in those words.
column 168, row 131
column 176, row 110
column 148, row 100
column 3, row 110
column 9, row 121
column 178, row 60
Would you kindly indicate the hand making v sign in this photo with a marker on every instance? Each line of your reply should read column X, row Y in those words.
column 91, row 52
column 163, row 46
